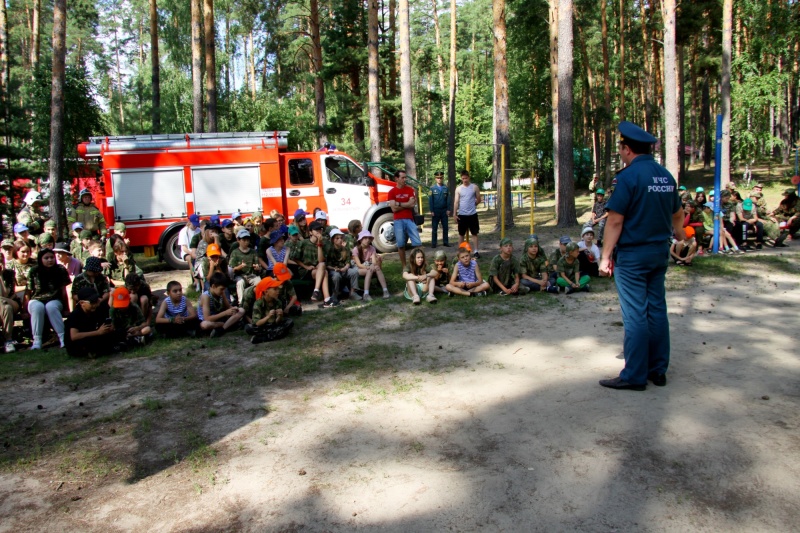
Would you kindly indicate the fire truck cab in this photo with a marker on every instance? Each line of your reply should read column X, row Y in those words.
column 152, row 183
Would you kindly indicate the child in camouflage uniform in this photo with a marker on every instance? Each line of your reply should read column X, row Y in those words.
column 269, row 320
column 130, row 325
column 439, row 272
column 244, row 262
column 504, row 271
column 92, row 276
column 569, row 275
column 535, row 269
column 556, row 256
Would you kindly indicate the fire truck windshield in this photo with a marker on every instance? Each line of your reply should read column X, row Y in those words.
column 342, row 170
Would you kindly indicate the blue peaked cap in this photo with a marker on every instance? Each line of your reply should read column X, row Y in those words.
column 631, row 132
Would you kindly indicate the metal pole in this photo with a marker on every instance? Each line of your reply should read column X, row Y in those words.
column 717, row 189
column 503, row 191
column 468, row 147
column 533, row 195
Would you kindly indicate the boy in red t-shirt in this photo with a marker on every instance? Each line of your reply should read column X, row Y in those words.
column 402, row 200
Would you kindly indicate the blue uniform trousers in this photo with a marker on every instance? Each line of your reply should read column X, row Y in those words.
column 640, row 283
column 439, row 216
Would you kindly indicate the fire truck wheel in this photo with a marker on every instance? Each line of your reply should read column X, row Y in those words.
column 172, row 253
column 383, row 231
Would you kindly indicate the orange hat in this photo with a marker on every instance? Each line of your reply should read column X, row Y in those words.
column 121, row 298
column 689, row 231
column 281, row 271
column 213, row 249
column 266, row 283
column 465, row 245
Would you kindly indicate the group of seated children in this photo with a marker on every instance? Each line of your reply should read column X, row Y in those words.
column 744, row 223
column 570, row 267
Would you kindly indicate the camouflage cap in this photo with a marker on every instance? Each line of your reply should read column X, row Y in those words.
column 504, row 241
column 50, row 224
column 725, row 194
column 571, row 247
column 530, row 242
column 758, row 185
column 756, row 195
column 45, row 238
column 440, row 256
column 7, row 243
column 119, row 226
column 86, row 234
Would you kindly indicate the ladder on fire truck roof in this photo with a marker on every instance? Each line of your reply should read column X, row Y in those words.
column 121, row 143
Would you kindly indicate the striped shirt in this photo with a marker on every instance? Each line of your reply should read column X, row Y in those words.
column 179, row 309
column 467, row 273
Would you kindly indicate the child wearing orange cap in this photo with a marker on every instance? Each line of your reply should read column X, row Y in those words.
column 682, row 252
column 287, row 296
column 269, row 320
column 129, row 323
column 211, row 263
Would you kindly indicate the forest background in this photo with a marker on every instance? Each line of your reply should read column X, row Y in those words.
column 409, row 82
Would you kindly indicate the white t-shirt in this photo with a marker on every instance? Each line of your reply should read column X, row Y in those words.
column 466, row 200
column 594, row 251
column 185, row 239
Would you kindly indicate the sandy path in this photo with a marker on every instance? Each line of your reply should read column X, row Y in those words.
column 508, row 431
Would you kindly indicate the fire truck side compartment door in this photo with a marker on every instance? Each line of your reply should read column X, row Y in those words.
column 148, row 193
column 226, row 189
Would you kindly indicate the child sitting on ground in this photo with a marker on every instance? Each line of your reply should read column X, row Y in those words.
column 466, row 278
column 440, row 272
column 588, row 253
column 214, row 310
column 316, row 268
column 92, row 276
column 569, row 275
column 276, row 253
column 212, row 263
column 504, row 272
column 418, row 283
column 141, row 294
column 726, row 245
column 535, row 269
column 682, row 252
column 291, row 305
column 556, row 256
column 269, row 320
column 368, row 263
column 176, row 315
column 244, row 262
column 129, row 323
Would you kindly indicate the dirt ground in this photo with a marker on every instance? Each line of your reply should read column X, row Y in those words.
column 464, row 416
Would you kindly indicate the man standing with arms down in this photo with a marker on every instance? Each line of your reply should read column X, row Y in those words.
column 402, row 200
column 440, row 209
column 468, row 196
column 642, row 214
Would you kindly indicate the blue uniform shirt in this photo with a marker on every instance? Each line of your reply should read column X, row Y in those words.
column 647, row 196
column 439, row 198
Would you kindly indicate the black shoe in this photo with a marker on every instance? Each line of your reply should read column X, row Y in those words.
column 250, row 329
column 570, row 290
column 659, row 380
column 316, row 296
column 759, row 246
column 258, row 339
column 619, row 384
column 476, row 255
column 433, row 246
column 217, row 332
column 446, row 245
column 587, row 288
column 330, row 302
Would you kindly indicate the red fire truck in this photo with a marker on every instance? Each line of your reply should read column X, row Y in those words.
column 153, row 182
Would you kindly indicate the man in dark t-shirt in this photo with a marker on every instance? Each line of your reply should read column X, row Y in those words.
column 89, row 329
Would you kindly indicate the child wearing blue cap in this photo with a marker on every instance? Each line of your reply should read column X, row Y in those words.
column 301, row 224
column 276, row 253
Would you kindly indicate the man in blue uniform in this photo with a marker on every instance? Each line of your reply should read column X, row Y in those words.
column 642, row 215
column 440, row 209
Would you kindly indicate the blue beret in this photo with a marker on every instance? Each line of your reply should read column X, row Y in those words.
column 631, row 132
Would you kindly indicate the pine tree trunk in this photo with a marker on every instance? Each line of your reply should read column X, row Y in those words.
column 197, row 66
column 595, row 127
column 319, row 84
column 553, row 19
column 451, row 126
column 501, row 114
column 155, row 76
column 211, row 65
column 405, row 90
column 705, row 122
column 565, row 187
column 671, row 109
column 251, row 66
column 606, row 95
column 725, row 89
column 647, row 74
column 439, row 59
column 35, row 27
column 355, row 89
column 120, row 95
column 392, row 74
column 373, row 67
column 57, row 208
column 622, row 60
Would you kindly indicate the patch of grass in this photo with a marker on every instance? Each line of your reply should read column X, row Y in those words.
column 152, row 404
column 212, row 413
column 89, row 465
column 99, row 371
column 22, row 364
column 200, row 455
